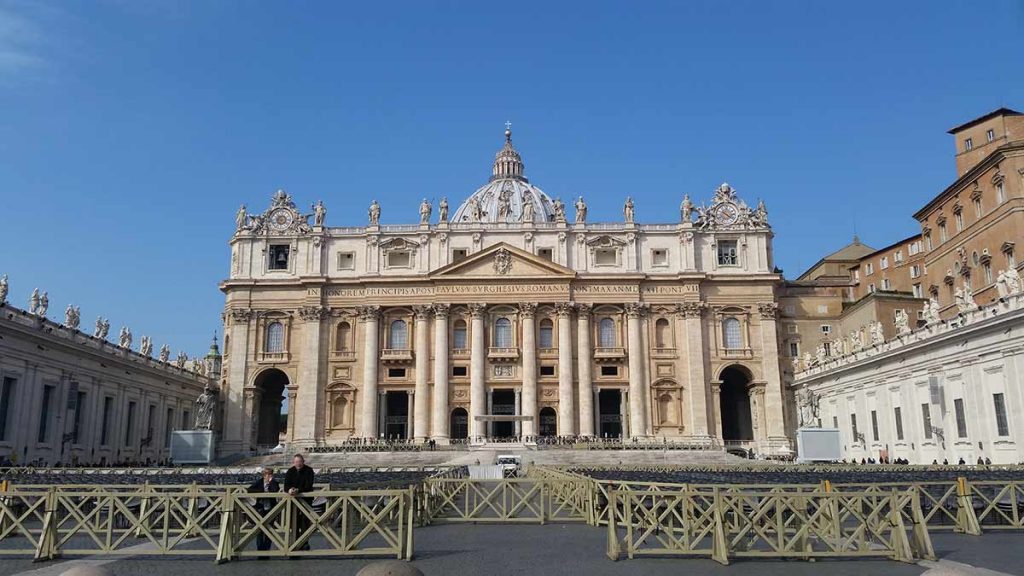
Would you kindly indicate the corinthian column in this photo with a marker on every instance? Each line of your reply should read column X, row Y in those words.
column 477, row 365
column 583, row 363
column 440, row 411
column 637, row 412
column 773, row 378
column 370, row 315
column 421, row 405
column 309, row 427
column 565, row 403
column 693, row 346
column 528, row 311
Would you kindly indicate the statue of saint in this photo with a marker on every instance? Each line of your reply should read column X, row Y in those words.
column 206, row 405
column 105, row 329
column 71, row 317
column 902, row 322
column 474, row 210
column 374, row 213
column 124, row 339
column 527, row 208
column 44, row 304
column 964, row 298
column 240, row 218
column 442, row 210
column 761, row 215
column 627, row 210
column 181, row 360
column 3, row 289
column 319, row 213
column 165, row 353
column 504, row 205
column 807, row 402
column 146, row 347
column 559, row 207
column 877, row 335
column 33, row 302
column 425, row 210
column 581, row 210
column 686, row 209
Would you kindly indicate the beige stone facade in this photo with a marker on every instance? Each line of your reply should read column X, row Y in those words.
column 509, row 319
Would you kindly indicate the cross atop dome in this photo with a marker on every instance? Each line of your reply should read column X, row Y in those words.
column 507, row 162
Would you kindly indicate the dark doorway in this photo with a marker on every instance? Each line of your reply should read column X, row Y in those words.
column 396, row 415
column 503, row 402
column 609, row 413
column 735, row 404
column 459, row 424
column 270, row 424
column 548, row 422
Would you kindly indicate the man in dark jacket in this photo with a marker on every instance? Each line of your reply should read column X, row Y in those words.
column 299, row 480
column 264, row 485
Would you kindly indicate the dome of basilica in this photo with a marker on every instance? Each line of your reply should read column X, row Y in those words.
column 507, row 195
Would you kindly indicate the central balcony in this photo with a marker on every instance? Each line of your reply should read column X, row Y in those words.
column 496, row 353
column 609, row 353
column 396, row 355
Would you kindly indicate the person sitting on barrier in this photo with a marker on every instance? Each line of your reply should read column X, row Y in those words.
column 298, row 480
column 265, row 484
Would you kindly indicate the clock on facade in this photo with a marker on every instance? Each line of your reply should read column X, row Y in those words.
column 726, row 213
column 281, row 219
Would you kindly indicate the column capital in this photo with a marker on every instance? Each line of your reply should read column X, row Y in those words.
column 691, row 309
column 313, row 313
column 528, row 309
column 368, row 313
column 635, row 309
column 768, row 310
column 564, row 308
column 441, row 310
column 422, row 312
column 583, row 310
column 476, row 309
column 240, row 315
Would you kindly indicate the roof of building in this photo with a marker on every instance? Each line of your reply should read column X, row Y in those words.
column 504, row 196
column 999, row 112
column 849, row 253
column 889, row 247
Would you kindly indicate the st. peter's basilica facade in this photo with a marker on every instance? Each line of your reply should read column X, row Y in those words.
column 513, row 316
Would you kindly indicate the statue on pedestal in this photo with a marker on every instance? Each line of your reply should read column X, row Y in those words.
column 374, row 213
column 165, row 353
column 931, row 311
column 1008, row 283
column 877, row 335
column 33, row 302
column 425, row 210
column 240, row 218
column 627, row 210
column 206, row 407
column 72, row 317
column 319, row 213
column 181, row 360
column 442, row 210
column 124, row 338
column 504, row 205
column 559, row 207
column 686, row 209
column 146, row 347
column 581, row 211
column 964, row 299
column 902, row 322
column 527, row 208
column 807, row 403
column 44, row 305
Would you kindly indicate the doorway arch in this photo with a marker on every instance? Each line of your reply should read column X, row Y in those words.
column 458, row 425
column 734, row 403
column 270, row 423
column 548, row 422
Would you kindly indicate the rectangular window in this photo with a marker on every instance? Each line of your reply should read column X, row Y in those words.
column 959, row 217
column 898, row 257
column 977, row 207
column 399, row 259
column 44, row 415
column 346, row 261
column 459, row 254
column 928, row 241
column 727, row 255
column 826, row 329
column 869, row 269
column 884, row 263
column 605, row 257
column 459, row 371
column 835, row 422
column 968, row 145
column 915, row 271
column 899, row 422
column 547, row 370
column 1002, row 426
column 545, row 253
column 1000, row 192
column 918, row 291
column 874, row 425
column 987, row 268
column 942, row 232
column 886, row 284
column 794, row 349
column 853, row 427
column 609, row 370
column 396, row 372
column 926, row 420
column 5, row 404
column 129, row 425
column 871, row 288
column 168, row 427
column 108, row 407
column 990, row 134
column 79, row 410
column 961, row 418
column 278, row 257
column 659, row 257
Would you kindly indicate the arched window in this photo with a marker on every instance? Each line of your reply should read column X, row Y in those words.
column 274, row 343
column 341, row 337
column 338, row 408
column 399, row 335
column 459, row 335
column 662, row 336
column 547, row 334
column 606, row 333
column 731, row 336
column 503, row 333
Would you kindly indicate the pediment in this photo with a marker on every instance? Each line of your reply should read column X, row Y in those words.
column 606, row 241
column 503, row 261
column 398, row 244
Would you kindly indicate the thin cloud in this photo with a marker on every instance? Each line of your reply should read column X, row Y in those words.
column 22, row 42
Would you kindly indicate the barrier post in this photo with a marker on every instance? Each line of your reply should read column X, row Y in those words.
column 966, row 519
column 144, row 510
column 613, row 551
column 48, row 540
column 226, row 542
column 719, row 546
column 922, row 542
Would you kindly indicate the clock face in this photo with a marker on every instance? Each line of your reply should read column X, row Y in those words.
column 281, row 220
column 727, row 213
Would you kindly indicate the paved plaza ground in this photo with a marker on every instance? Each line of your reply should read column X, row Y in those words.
column 566, row 549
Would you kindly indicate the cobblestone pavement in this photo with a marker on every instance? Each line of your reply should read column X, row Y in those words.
column 562, row 549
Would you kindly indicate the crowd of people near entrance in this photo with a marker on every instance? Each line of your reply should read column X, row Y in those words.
column 903, row 461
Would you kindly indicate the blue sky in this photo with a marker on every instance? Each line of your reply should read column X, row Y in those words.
column 131, row 130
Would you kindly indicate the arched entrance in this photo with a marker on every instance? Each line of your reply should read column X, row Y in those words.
column 735, row 404
column 548, row 422
column 270, row 423
column 609, row 403
column 459, row 424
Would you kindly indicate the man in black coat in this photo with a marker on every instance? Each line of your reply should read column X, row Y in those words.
column 299, row 480
column 265, row 484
